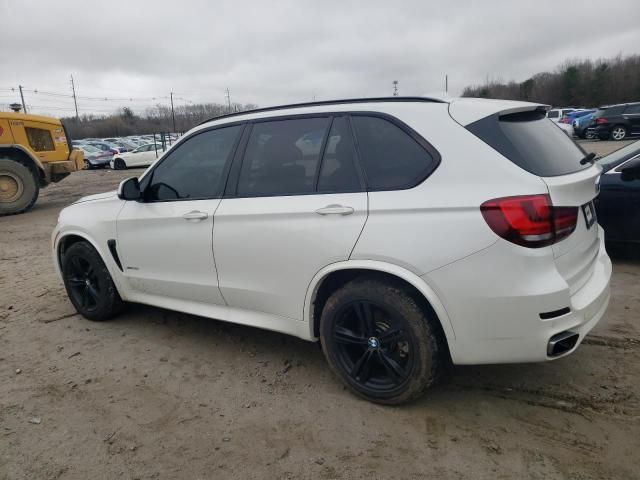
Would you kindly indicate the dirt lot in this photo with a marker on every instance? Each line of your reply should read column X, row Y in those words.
column 158, row 395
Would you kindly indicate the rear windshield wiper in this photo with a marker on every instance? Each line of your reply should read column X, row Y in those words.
column 589, row 158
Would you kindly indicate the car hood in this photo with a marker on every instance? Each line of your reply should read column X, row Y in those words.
column 97, row 196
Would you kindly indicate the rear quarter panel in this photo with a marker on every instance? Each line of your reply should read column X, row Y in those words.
column 439, row 221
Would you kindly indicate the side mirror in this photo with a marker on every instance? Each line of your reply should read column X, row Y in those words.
column 129, row 189
column 631, row 170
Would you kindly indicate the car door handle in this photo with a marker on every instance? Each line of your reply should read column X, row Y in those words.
column 195, row 215
column 335, row 210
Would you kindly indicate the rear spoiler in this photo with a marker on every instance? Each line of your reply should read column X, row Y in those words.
column 469, row 110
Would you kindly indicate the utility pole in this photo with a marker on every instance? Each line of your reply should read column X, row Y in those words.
column 24, row 105
column 395, row 88
column 229, row 99
column 173, row 114
column 446, row 83
column 75, row 102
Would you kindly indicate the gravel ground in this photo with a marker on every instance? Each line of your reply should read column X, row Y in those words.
column 156, row 394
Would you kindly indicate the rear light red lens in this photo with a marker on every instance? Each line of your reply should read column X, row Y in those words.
column 529, row 220
column 600, row 121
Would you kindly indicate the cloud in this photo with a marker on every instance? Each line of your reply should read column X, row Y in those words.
column 287, row 51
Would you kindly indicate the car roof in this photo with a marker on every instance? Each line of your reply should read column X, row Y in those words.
column 464, row 109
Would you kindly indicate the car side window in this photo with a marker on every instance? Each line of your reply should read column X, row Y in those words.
column 633, row 109
column 338, row 172
column 195, row 169
column 282, row 157
column 390, row 157
column 553, row 114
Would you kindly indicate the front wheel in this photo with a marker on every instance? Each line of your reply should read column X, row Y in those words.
column 118, row 164
column 380, row 342
column 89, row 284
column 618, row 133
column 19, row 187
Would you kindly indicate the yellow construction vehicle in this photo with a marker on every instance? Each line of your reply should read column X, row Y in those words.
column 34, row 151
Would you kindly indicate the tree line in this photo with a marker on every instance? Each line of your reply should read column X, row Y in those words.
column 154, row 120
column 576, row 83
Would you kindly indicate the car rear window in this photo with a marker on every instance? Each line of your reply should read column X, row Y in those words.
column 532, row 142
column 611, row 111
column 554, row 114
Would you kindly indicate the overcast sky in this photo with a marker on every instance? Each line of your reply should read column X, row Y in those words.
column 270, row 52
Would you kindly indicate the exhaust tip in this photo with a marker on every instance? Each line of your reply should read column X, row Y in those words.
column 561, row 343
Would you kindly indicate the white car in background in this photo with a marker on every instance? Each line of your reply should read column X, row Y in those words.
column 556, row 114
column 566, row 128
column 143, row 156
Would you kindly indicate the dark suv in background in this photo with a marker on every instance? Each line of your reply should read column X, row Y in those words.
column 616, row 122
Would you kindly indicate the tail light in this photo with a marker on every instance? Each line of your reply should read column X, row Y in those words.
column 529, row 220
column 600, row 121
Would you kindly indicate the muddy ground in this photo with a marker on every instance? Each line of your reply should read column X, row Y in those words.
column 155, row 394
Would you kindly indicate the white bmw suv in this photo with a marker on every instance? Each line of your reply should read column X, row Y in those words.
column 402, row 233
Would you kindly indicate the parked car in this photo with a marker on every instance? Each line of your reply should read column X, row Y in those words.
column 618, row 204
column 581, row 126
column 556, row 114
column 94, row 157
column 617, row 122
column 105, row 147
column 142, row 156
column 381, row 252
column 571, row 116
column 566, row 128
column 120, row 144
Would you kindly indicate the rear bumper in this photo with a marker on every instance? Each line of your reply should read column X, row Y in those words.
column 494, row 301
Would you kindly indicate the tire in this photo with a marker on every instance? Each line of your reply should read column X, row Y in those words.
column 118, row 164
column 618, row 133
column 357, row 328
column 87, row 165
column 89, row 284
column 19, row 187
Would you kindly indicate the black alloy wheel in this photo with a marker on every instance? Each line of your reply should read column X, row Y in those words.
column 372, row 346
column 88, row 283
column 83, row 283
column 378, row 339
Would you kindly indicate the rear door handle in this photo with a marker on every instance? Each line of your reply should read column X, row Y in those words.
column 195, row 215
column 335, row 210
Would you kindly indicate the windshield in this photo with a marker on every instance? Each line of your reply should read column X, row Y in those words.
column 532, row 142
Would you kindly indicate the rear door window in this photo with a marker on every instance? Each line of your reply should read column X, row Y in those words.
column 339, row 172
column 532, row 142
column 282, row 157
column 390, row 157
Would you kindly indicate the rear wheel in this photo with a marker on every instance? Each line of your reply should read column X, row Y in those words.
column 118, row 164
column 19, row 187
column 89, row 284
column 380, row 342
column 618, row 132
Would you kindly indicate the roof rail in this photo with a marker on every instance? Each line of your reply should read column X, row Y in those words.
column 328, row 102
